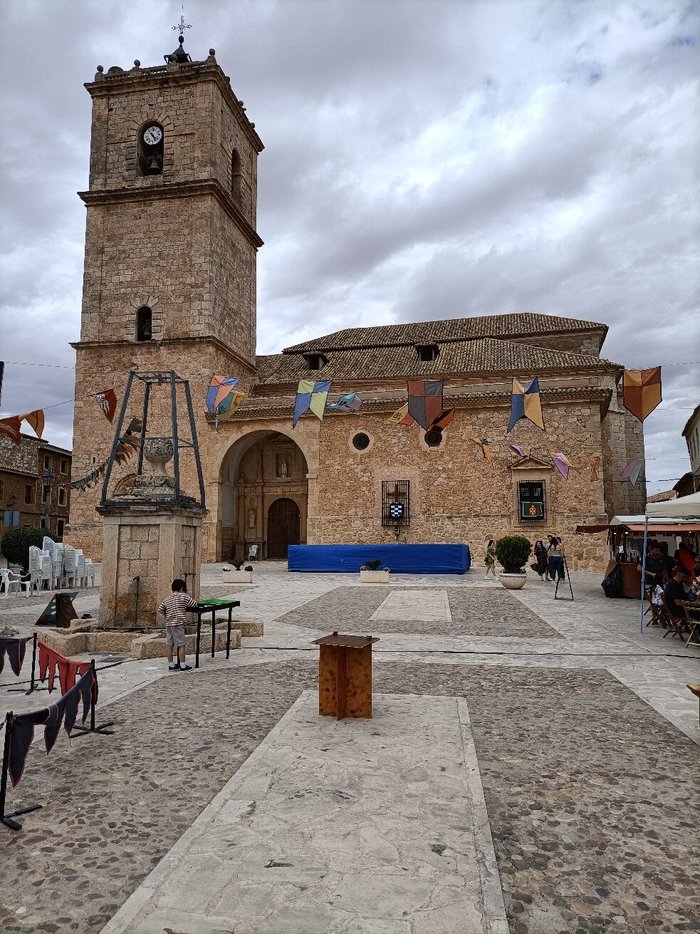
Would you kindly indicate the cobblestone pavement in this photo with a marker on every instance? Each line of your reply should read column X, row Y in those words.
column 583, row 727
column 589, row 793
column 473, row 613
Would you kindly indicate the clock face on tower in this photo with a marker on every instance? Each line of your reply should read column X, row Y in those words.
column 152, row 135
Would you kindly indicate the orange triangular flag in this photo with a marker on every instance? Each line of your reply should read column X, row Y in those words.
column 36, row 420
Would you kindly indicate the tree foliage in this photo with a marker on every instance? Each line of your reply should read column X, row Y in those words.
column 512, row 552
column 15, row 543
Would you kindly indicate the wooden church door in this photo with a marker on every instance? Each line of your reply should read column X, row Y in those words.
column 282, row 527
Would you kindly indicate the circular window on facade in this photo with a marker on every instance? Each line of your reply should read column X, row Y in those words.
column 433, row 437
column 360, row 441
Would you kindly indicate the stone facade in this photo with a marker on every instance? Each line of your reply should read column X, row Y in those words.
column 182, row 244
column 23, row 489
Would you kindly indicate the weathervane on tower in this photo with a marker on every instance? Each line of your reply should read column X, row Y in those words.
column 182, row 25
column 179, row 55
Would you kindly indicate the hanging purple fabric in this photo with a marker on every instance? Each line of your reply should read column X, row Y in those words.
column 15, row 649
column 63, row 712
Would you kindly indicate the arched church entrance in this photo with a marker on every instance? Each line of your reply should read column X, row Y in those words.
column 282, row 527
column 258, row 472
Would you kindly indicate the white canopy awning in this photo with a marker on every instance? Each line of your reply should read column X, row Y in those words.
column 685, row 507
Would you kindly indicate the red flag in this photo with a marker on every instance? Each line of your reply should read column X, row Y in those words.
column 107, row 401
column 11, row 427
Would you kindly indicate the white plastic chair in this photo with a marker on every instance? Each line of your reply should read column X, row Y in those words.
column 57, row 560
column 48, row 544
column 70, row 565
column 80, row 570
column 46, row 571
column 12, row 580
column 89, row 573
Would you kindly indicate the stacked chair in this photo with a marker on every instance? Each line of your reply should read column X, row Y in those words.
column 52, row 566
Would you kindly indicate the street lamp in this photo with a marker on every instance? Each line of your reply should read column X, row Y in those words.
column 47, row 476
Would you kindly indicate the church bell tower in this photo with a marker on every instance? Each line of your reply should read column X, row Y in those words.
column 170, row 247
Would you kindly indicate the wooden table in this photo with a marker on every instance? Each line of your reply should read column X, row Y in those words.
column 345, row 675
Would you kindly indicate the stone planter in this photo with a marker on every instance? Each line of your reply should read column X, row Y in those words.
column 374, row 577
column 238, row 577
column 513, row 581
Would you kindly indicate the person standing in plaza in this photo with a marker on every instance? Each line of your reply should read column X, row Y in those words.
column 555, row 558
column 174, row 609
column 490, row 559
column 540, row 559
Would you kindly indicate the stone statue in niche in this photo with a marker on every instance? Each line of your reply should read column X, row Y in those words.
column 284, row 469
column 252, row 518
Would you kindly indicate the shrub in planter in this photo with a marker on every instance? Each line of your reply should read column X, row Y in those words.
column 372, row 566
column 15, row 543
column 512, row 552
column 238, row 563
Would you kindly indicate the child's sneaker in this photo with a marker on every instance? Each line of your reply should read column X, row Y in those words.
column 185, row 667
column 173, row 667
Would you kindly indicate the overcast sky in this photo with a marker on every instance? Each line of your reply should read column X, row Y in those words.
column 424, row 159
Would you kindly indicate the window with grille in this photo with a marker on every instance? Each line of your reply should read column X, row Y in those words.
column 396, row 502
column 531, row 501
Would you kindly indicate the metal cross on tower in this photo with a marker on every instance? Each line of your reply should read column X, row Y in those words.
column 182, row 25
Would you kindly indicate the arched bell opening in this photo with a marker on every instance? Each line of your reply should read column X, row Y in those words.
column 259, row 470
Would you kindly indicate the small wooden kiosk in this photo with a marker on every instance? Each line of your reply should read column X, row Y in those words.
column 345, row 676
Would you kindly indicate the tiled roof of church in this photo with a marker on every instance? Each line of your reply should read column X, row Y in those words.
column 524, row 324
column 485, row 356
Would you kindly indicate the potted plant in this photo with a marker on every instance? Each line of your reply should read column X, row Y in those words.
column 372, row 572
column 238, row 574
column 512, row 552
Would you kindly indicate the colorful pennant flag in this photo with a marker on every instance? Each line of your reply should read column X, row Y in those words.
column 107, row 401
column 525, row 403
column 632, row 470
column 443, row 419
column 401, row 416
column 519, row 450
column 129, row 442
column 12, row 428
column 223, row 398
column 311, row 396
column 485, row 445
column 641, row 391
column 595, row 467
column 425, row 400
column 348, row 402
column 562, row 463
column 36, row 420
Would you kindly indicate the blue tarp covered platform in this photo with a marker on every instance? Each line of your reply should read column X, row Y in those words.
column 400, row 559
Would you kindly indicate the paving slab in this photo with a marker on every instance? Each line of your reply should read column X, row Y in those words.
column 336, row 823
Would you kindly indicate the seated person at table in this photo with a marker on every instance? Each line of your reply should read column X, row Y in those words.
column 676, row 595
column 685, row 556
column 659, row 567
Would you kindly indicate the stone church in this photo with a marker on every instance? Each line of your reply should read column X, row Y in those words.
column 170, row 284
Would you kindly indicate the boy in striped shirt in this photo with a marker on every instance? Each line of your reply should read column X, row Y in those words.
column 174, row 609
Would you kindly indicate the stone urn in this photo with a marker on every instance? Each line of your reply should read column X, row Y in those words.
column 158, row 451
column 513, row 581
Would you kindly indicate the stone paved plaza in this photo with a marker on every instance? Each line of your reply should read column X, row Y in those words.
column 531, row 766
